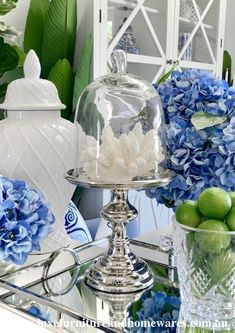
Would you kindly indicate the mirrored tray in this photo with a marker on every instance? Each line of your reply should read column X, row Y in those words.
column 52, row 290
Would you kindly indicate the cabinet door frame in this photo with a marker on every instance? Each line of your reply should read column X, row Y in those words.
column 221, row 37
column 101, row 59
column 100, row 44
column 217, row 57
column 102, row 51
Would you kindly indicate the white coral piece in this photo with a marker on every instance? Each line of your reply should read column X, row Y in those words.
column 119, row 160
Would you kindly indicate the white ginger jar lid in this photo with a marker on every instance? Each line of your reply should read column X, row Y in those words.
column 31, row 92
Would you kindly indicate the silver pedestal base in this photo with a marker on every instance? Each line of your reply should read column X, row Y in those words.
column 119, row 276
column 119, row 271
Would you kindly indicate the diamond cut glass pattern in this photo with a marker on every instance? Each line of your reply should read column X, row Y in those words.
column 207, row 278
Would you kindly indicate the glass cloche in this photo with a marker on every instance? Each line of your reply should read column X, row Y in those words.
column 120, row 139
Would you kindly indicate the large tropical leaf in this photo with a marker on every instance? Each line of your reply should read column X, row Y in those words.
column 14, row 74
column 8, row 57
column 6, row 6
column 3, row 89
column 35, row 25
column 62, row 76
column 82, row 77
column 60, row 34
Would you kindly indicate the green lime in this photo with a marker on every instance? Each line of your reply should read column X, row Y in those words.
column 232, row 196
column 214, row 203
column 212, row 242
column 230, row 219
column 188, row 214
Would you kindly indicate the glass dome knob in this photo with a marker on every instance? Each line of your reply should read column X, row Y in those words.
column 119, row 61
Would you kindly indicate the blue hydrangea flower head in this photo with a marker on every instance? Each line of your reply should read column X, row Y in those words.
column 25, row 220
column 198, row 158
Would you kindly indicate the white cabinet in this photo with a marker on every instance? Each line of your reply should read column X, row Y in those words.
column 158, row 28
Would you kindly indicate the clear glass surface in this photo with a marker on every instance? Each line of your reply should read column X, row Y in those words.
column 133, row 38
column 120, row 130
column 206, row 271
column 144, row 38
column 203, row 46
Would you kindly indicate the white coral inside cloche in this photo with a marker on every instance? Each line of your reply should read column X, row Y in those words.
column 119, row 160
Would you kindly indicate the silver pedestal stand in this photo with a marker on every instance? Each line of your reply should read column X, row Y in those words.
column 119, row 270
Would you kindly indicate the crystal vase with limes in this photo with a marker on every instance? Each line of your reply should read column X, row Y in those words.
column 204, row 246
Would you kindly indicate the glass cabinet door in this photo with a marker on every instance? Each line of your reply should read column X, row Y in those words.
column 198, row 42
column 140, row 28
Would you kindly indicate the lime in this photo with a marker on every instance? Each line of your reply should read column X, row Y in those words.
column 230, row 219
column 212, row 242
column 214, row 203
column 232, row 196
column 188, row 214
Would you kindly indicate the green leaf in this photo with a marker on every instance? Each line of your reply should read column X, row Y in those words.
column 60, row 34
column 82, row 77
column 21, row 55
column 167, row 75
column 8, row 57
column 62, row 76
column 14, row 74
column 6, row 6
column 227, row 61
column 3, row 89
column 135, row 308
column 10, row 34
column 203, row 120
column 89, row 117
column 77, row 195
column 227, row 65
column 35, row 25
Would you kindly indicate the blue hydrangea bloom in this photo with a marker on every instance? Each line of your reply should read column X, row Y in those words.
column 25, row 219
column 158, row 307
column 37, row 313
column 199, row 158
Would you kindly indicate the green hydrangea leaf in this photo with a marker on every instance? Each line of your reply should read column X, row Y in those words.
column 167, row 75
column 203, row 120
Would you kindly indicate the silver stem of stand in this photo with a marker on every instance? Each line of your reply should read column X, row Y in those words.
column 119, row 270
